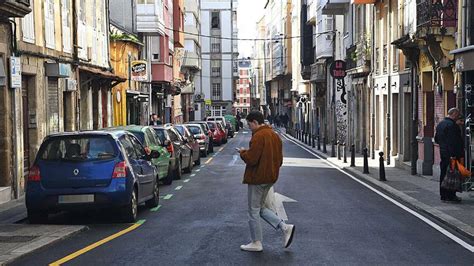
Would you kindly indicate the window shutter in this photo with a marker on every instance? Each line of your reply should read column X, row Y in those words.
column 67, row 46
column 28, row 26
column 49, row 23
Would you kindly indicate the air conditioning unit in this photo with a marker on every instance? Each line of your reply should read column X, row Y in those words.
column 70, row 84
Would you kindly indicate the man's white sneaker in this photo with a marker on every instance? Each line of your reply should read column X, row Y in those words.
column 252, row 246
column 288, row 232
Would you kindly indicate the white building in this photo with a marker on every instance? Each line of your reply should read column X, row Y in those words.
column 219, row 57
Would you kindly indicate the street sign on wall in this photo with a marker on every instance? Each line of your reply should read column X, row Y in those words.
column 15, row 72
column 139, row 70
column 338, row 69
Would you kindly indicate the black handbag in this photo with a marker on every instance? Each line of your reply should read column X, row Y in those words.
column 453, row 179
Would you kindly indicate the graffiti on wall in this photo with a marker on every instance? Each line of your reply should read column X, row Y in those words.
column 341, row 110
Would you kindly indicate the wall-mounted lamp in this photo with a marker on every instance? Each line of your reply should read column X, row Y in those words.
column 394, row 84
column 384, row 86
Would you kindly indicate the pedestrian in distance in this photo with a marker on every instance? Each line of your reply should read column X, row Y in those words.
column 154, row 121
column 448, row 136
column 263, row 160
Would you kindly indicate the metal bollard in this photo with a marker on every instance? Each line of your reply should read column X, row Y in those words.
column 305, row 138
column 313, row 144
column 333, row 148
column 382, row 168
column 319, row 143
column 338, row 151
column 366, row 161
column 344, row 154
column 353, row 155
column 324, row 145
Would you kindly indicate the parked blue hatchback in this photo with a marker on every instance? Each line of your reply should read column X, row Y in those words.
column 91, row 170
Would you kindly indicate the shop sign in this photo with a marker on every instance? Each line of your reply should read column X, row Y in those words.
column 338, row 69
column 15, row 72
column 208, row 102
column 139, row 70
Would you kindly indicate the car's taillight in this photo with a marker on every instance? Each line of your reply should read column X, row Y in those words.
column 170, row 149
column 34, row 174
column 120, row 170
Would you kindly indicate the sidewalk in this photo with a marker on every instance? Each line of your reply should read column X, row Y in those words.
column 18, row 238
column 419, row 192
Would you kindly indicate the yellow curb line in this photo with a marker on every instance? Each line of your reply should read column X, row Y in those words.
column 96, row 244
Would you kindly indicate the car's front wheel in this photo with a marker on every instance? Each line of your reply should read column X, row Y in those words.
column 35, row 217
column 198, row 161
column 188, row 169
column 169, row 177
column 131, row 209
column 177, row 171
column 153, row 202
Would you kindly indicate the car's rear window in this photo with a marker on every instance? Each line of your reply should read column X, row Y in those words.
column 180, row 129
column 78, row 148
column 140, row 136
column 160, row 132
column 194, row 130
column 211, row 125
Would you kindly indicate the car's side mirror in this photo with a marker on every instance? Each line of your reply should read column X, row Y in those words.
column 167, row 143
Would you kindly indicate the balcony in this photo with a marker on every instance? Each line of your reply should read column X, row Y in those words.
column 161, row 72
column 150, row 19
column 192, row 6
column 334, row 7
column 14, row 8
column 358, row 57
column 318, row 72
column 324, row 45
column 192, row 61
column 310, row 10
column 436, row 16
column 193, row 33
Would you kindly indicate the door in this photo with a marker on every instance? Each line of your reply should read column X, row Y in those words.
column 147, row 175
column 134, row 163
column 53, row 106
column 26, row 131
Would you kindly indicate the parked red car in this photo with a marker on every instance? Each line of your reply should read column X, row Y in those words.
column 217, row 134
column 223, row 130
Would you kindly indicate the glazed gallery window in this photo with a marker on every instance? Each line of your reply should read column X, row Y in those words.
column 215, row 20
column 216, row 91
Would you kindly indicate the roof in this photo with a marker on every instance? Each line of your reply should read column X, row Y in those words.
column 114, row 133
column 131, row 128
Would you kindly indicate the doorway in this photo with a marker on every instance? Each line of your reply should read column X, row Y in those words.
column 26, row 126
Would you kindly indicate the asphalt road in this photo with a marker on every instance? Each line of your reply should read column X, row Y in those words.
column 338, row 221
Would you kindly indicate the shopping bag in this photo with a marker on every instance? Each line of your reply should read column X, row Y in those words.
column 453, row 179
column 463, row 170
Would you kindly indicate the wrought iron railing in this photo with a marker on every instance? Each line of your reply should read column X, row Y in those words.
column 437, row 13
column 351, row 57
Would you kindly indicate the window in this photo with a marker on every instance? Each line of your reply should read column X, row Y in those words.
column 215, row 20
column 128, row 147
column 138, row 147
column 215, row 45
column 216, row 91
column 144, row 2
column 385, row 58
column 28, row 26
column 215, row 68
column 216, row 111
column 328, row 22
column 245, row 100
column 49, row 23
column 155, row 48
column 377, row 60
column 66, row 25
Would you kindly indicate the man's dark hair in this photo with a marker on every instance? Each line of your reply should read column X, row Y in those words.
column 255, row 116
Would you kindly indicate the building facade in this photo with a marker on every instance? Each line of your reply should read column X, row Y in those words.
column 243, row 98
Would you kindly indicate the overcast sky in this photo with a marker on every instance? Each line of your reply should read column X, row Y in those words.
column 249, row 11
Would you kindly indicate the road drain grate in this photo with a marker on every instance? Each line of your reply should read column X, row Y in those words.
column 16, row 239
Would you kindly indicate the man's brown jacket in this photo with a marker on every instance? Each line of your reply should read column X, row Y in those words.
column 264, row 157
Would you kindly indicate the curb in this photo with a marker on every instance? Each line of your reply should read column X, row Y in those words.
column 436, row 215
column 40, row 243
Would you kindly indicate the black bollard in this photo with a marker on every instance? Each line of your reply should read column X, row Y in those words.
column 366, row 161
column 333, row 148
column 319, row 143
column 305, row 138
column 324, row 145
column 382, row 168
column 344, row 154
column 313, row 144
column 338, row 147
column 353, row 155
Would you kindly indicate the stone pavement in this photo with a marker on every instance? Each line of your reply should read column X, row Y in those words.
column 17, row 238
column 421, row 193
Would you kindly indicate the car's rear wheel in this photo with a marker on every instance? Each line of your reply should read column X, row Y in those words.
column 130, row 212
column 169, row 177
column 188, row 169
column 177, row 171
column 198, row 161
column 35, row 217
column 153, row 202
column 204, row 152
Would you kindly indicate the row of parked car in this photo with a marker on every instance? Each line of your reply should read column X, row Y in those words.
column 117, row 168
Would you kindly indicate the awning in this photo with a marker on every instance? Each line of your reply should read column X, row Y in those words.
column 464, row 58
column 103, row 76
column 188, row 89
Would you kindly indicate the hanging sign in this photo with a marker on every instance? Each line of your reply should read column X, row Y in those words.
column 139, row 70
column 338, row 69
column 15, row 72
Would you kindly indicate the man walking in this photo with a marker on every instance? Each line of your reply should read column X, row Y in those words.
column 263, row 161
column 448, row 136
column 154, row 121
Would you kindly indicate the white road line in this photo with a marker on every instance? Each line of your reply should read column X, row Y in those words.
column 234, row 159
column 193, row 175
column 417, row 215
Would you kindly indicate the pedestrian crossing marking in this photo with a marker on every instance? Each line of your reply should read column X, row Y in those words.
column 193, row 175
column 167, row 197
column 303, row 162
column 178, row 187
column 156, row 208
column 198, row 170
column 186, row 180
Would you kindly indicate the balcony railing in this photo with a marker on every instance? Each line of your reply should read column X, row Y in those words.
column 437, row 13
column 14, row 8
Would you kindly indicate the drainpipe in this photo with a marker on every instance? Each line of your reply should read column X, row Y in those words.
column 372, row 84
column 389, row 84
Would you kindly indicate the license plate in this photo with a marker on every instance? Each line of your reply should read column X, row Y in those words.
column 75, row 199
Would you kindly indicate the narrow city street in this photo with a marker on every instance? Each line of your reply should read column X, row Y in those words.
column 202, row 219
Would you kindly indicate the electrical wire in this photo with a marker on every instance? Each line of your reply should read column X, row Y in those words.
column 248, row 39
